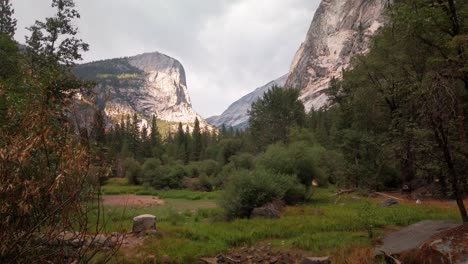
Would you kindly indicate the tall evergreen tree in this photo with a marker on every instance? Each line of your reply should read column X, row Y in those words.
column 98, row 131
column 155, row 138
column 197, row 147
column 273, row 116
column 7, row 22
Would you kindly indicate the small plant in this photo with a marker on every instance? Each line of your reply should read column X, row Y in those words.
column 367, row 215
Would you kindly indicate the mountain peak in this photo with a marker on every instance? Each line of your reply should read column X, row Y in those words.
column 147, row 84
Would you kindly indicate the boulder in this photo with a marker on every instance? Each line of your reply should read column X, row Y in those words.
column 389, row 202
column 450, row 246
column 313, row 260
column 412, row 237
column 143, row 223
column 270, row 210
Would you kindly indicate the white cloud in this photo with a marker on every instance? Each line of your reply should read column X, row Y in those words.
column 228, row 47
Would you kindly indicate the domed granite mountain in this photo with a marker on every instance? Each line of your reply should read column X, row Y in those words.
column 147, row 84
column 340, row 30
column 237, row 115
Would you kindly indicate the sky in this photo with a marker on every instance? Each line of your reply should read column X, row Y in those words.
column 227, row 47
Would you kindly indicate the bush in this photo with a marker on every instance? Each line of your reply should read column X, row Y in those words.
column 229, row 147
column 248, row 190
column 163, row 177
column 296, row 159
column 132, row 171
column 205, row 167
column 243, row 161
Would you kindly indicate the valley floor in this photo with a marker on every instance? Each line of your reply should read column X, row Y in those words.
column 190, row 225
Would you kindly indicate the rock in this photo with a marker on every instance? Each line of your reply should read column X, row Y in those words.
column 273, row 260
column 237, row 115
column 101, row 240
column 412, row 237
column 450, row 246
column 147, row 84
column 144, row 223
column 208, row 261
column 313, row 260
column 340, row 30
column 271, row 210
column 389, row 202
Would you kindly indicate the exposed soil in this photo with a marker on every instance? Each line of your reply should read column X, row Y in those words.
column 259, row 254
column 406, row 199
column 131, row 200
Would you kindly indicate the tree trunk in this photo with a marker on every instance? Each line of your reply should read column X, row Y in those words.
column 443, row 144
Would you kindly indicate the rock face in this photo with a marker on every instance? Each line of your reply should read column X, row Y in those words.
column 144, row 223
column 237, row 113
column 340, row 30
column 148, row 84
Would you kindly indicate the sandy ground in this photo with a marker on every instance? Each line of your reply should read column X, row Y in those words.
column 131, row 200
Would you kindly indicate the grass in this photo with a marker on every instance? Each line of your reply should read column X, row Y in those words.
column 115, row 186
column 191, row 228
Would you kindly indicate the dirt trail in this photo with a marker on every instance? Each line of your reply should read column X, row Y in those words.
column 406, row 199
column 131, row 200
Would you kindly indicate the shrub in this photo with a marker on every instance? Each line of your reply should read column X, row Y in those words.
column 243, row 161
column 229, row 147
column 205, row 167
column 132, row 171
column 296, row 159
column 248, row 190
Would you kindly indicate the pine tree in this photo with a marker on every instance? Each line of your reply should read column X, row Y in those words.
column 187, row 144
column 197, row 147
column 180, row 140
column 135, row 135
column 145, row 146
column 98, row 131
column 55, row 39
column 7, row 23
column 155, row 138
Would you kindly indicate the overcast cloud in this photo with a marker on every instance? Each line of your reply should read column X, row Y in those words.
column 227, row 47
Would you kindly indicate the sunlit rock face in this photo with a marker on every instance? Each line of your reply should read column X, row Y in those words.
column 237, row 115
column 148, row 84
column 340, row 30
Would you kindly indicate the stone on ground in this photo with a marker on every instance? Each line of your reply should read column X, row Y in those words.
column 313, row 260
column 450, row 246
column 270, row 210
column 389, row 202
column 412, row 236
column 143, row 223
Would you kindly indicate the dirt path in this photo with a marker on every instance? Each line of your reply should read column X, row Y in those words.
column 131, row 200
column 406, row 199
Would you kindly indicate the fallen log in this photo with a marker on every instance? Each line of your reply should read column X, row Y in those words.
column 346, row 191
column 388, row 196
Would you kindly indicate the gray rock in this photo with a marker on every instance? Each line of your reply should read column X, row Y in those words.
column 271, row 210
column 102, row 240
column 237, row 115
column 144, row 223
column 340, row 30
column 412, row 236
column 147, row 84
column 389, row 202
column 313, row 260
